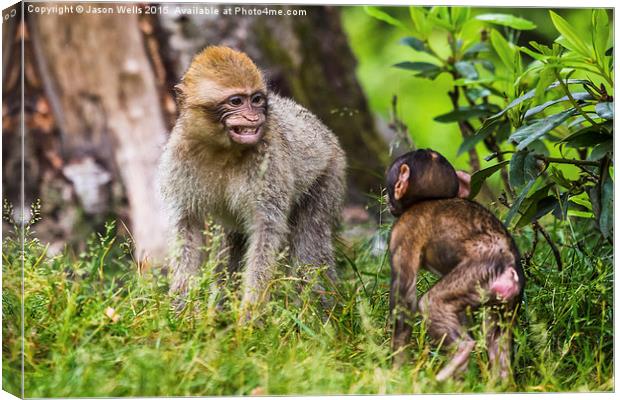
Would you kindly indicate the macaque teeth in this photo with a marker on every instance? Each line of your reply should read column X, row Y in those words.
column 245, row 130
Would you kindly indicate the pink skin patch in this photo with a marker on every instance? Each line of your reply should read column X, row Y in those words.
column 464, row 184
column 506, row 286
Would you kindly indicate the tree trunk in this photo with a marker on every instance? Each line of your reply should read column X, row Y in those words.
column 101, row 88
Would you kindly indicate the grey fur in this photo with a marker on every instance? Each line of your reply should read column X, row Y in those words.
column 286, row 190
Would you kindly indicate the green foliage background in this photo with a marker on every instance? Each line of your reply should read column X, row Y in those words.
column 376, row 47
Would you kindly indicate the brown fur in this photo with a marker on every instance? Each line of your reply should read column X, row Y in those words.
column 463, row 242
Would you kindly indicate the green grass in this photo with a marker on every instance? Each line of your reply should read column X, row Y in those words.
column 564, row 334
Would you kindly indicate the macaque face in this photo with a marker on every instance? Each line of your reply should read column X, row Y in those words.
column 243, row 117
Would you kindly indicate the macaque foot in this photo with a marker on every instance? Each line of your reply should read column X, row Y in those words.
column 399, row 358
column 459, row 362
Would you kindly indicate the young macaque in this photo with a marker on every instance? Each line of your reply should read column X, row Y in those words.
column 422, row 175
column 263, row 167
column 464, row 243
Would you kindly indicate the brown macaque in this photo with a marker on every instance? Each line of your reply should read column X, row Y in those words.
column 479, row 263
column 421, row 175
column 263, row 167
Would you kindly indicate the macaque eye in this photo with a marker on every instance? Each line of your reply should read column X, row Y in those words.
column 235, row 101
column 258, row 99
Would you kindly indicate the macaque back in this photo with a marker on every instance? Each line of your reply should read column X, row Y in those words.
column 444, row 231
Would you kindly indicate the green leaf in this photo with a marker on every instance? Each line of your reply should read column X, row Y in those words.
column 560, row 211
column 507, row 20
column 459, row 15
column 426, row 70
column 600, row 31
column 476, row 48
column 601, row 150
column 528, row 133
column 605, row 110
column 580, row 214
column 471, row 141
column 478, row 178
column 474, row 93
column 582, row 200
column 606, row 219
column 536, row 206
column 580, row 96
column 545, row 205
column 440, row 16
column 517, row 202
column 383, row 16
column 414, row 43
column 558, row 177
column 523, row 168
column 420, row 21
column 570, row 35
column 503, row 131
column 464, row 113
column 527, row 96
column 466, row 69
column 586, row 137
column 546, row 78
column 534, row 55
column 503, row 49
column 416, row 66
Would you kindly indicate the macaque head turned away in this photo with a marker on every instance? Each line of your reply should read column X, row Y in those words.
column 423, row 175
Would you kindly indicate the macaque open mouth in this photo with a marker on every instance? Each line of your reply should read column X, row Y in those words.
column 245, row 130
column 245, row 134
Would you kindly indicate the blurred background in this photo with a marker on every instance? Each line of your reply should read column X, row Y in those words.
column 100, row 103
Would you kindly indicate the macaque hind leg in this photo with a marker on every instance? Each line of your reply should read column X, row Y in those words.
column 442, row 307
column 499, row 340
column 311, row 225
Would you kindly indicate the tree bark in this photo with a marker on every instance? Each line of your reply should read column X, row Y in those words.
column 101, row 88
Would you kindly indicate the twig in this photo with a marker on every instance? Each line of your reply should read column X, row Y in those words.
column 569, row 161
column 554, row 248
column 466, row 129
column 530, row 254
column 572, row 99
column 537, row 227
column 401, row 132
column 491, row 145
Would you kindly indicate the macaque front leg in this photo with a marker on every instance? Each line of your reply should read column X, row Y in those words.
column 403, row 306
column 265, row 241
column 187, row 258
column 232, row 250
column 403, row 301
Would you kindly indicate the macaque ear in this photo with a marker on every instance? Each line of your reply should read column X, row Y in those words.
column 179, row 90
column 464, row 184
column 402, row 183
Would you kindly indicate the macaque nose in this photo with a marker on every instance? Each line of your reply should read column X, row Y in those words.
column 252, row 117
